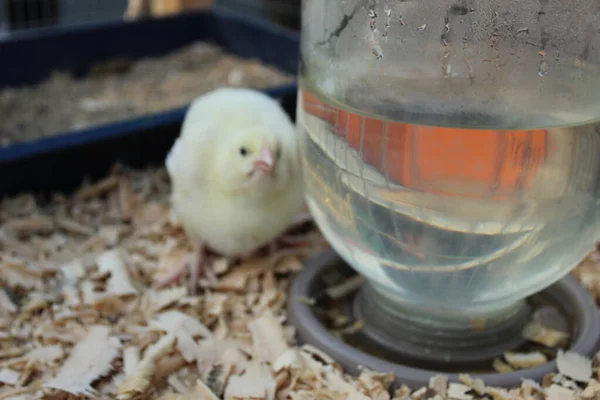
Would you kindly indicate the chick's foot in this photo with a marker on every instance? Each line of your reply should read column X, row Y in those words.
column 200, row 268
column 197, row 266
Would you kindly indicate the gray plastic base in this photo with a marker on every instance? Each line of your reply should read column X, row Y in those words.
column 404, row 339
column 571, row 296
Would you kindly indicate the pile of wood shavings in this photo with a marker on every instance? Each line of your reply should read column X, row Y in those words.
column 121, row 89
column 80, row 314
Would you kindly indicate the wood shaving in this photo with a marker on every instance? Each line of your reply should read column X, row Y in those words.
column 458, row 391
column 546, row 336
column 174, row 321
column 169, row 264
column 19, row 274
column 556, row 392
column 402, row 393
column 98, row 188
column 131, row 359
column 476, row 384
column 525, row 360
column 6, row 304
column 28, row 226
column 74, row 227
column 345, row 288
column 268, row 337
column 289, row 360
column 204, row 392
column 213, row 352
column 161, row 299
column 499, row 394
column 255, row 383
column 176, row 384
column 591, row 390
column 46, row 354
column 289, row 264
column 90, row 359
column 119, row 283
column 574, row 366
column 221, row 266
column 237, row 279
column 319, row 354
column 139, row 381
column 375, row 385
column 439, row 384
column 501, row 367
column 9, row 377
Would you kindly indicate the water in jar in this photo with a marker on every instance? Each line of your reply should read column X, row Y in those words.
column 455, row 210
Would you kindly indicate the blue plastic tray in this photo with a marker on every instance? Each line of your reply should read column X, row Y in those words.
column 61, row 162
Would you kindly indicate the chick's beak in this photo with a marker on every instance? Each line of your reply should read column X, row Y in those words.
column 265, row 160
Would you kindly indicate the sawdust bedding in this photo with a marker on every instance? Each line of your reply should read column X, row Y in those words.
column 120, row 89
column 83, row 314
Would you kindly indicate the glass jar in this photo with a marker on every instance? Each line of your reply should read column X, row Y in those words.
column 451, row 148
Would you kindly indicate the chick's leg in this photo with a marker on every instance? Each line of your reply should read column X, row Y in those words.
column 198, row 266
column 195, row 265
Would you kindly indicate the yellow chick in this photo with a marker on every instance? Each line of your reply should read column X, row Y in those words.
column 235, row 173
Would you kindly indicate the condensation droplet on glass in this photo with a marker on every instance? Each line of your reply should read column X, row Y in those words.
column 388, row 13
column 377, row 52
column 375, row 46
column 372, row 13
column 422, row 27
column 446, row 69
column 543, row 68
column 522, row 30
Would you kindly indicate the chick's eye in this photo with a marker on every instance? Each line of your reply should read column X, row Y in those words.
column 243, row 151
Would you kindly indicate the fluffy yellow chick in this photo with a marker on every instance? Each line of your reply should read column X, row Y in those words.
column 235, row 173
